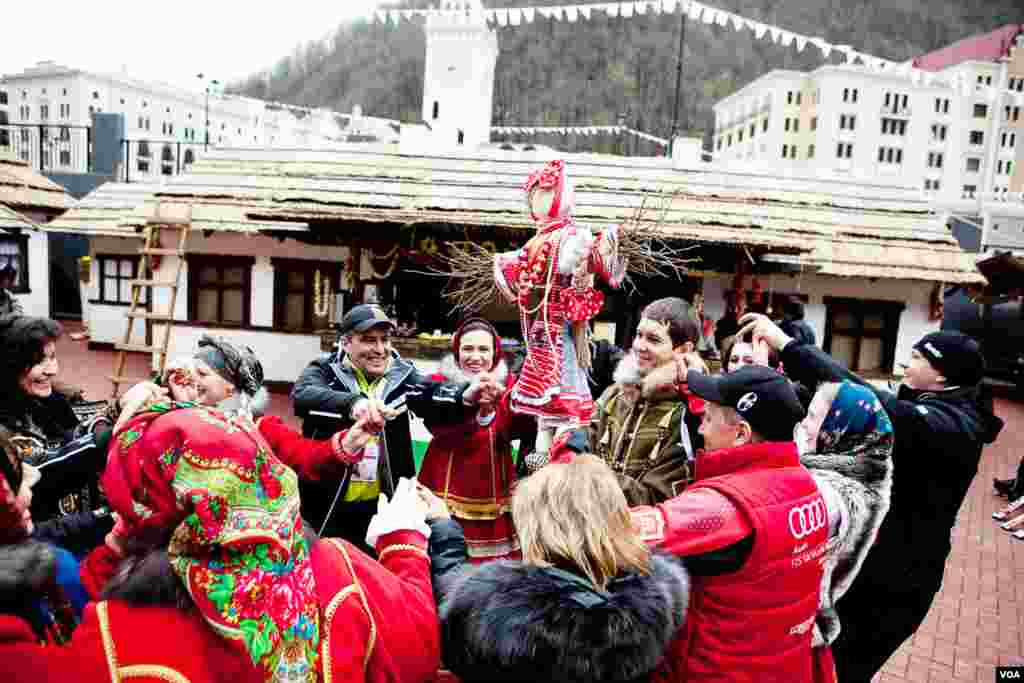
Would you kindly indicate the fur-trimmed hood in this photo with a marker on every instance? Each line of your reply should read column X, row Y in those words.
column 453, row 373
column 509, row 621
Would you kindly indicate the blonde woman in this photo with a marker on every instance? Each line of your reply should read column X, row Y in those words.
column 588, row 602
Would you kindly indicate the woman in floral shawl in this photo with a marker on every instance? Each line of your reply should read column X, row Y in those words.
column 846, row 442
column 216, row 560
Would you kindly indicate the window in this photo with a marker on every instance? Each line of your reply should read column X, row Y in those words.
column 728, row 140
column 753, row 129
column 3, row 97
column 849, row 94
column 894, row 127
column 931, row 184
column 1004, row 167
column 44, row 112
column 844, row 150
column 1011, row 113
column 847, row 121
column 219, row 290
column 116, row 274
column 1008, row 140
column 188, row 157
column 814, row 123
column 764, row 126
column 95, row 95
column 980, row 111
column 938, row 132
column 798, row 97
column 785, row 151
column 143, row 149
column 789, row 97
column 295, row 295
column 810, row 151
column 973, row 164
column 739, row 136
column 977, row 137
column 437, row 109
column 969, row 191
column 796, row 125
column 14, row 260
column 787, row 125
column 934, row 159
column 862, row 333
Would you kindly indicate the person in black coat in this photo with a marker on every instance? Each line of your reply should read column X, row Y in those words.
column 335, row 389
column 942, row 420
column 69, row 455
column 588, row 601
column 794, row 324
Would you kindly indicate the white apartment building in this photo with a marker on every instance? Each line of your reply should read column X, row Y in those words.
column 848, row 121
column 166, row 126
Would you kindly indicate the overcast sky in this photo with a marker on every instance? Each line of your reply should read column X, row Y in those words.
column 170, row 41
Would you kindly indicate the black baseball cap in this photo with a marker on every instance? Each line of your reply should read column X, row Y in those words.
column 762, row 397
column 363, row 317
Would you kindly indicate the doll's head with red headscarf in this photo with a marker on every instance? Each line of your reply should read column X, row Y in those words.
column 549, row 193
column 16, row 482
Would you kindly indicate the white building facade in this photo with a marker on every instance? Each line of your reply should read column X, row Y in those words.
column 50, row 107
column 848, row 121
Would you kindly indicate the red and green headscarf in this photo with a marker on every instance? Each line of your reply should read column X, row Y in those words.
column 211, row 485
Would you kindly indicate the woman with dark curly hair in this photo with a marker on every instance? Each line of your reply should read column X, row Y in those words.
column 70, row 455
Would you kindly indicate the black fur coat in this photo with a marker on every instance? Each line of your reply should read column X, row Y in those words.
column 509, row 621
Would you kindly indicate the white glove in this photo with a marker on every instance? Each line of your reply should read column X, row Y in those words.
column 574, row 249
column 403, row 513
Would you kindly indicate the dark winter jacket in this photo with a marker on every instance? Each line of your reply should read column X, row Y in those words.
column 511, row 621
column 329, row 387
column 9, row 304
column 799, row 330
column 70, row 464
column 78, row 533
column 939, row 438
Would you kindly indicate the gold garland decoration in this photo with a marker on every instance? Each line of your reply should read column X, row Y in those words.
column 393, row 255
column 321, row 295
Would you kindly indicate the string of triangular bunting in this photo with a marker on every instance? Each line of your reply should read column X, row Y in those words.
column 578, row 130
column 696, row 11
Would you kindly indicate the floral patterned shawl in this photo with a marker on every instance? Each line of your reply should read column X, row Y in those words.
column 856, row 425
column 232, row 511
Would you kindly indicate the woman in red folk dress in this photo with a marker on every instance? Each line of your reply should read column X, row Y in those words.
column 210, row 574
column 470, row 466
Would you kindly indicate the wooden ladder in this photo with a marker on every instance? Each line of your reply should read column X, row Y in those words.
column 146, row 281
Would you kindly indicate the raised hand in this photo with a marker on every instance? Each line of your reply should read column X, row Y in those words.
column 365, row 428
column 763, row 331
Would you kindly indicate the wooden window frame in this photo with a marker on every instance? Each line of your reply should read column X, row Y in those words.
column 196, row 263
column 283, row 266
column 21, row 240
column 889, row 334
column 101, row 261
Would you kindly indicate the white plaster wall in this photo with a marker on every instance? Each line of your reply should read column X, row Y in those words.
column 37, row 300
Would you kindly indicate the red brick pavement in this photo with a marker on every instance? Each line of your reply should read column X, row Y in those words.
column 977, row 620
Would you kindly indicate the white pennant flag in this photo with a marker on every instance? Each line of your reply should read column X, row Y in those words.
column 669, row 6
column 695, row 10
column 407, row 13
column 571, row 13
column 774, row 33
column 503, row 17
column 611, row 9
column 514, row 16
column 640, row 7
column 786, row 38
column 801, row 42
column 528, row 14
column 749, row 24
column 826, row 48
column 626, row 9
column 380, row 16
column 738, row 22
column 759, row 29
column 723, row 18
column 585, row 11
column 710, row 15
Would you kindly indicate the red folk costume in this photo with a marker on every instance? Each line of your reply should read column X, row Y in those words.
column 269, row 606
column 470, row 465
column 551, row 280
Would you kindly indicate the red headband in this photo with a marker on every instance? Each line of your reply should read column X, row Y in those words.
column 552, row 176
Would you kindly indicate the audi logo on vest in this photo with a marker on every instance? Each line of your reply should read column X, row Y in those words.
column 805, row 519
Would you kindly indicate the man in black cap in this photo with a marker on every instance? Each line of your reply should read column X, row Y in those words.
column 366, row 374
column 752, row 529
column 941, row 422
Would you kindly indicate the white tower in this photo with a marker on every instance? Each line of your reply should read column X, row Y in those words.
column 458, row 83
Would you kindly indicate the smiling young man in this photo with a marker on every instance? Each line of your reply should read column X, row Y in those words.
column 941, row 421
column 335, row 389
column 650, row 443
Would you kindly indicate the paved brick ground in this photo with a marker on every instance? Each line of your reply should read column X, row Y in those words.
column 977, row 620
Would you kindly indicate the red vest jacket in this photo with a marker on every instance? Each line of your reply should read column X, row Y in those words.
column 754, row 624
